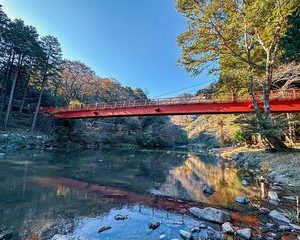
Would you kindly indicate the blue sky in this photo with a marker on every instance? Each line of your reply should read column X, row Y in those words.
column 133, row 41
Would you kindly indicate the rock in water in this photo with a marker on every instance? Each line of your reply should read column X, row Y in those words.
column 279, row 217
column 185, row 235
column 244, row 233
column 273, row 195
column 284, row 228
column 66, row 237
column 162, row 236
column 208, row 190
column 227, row 227
column 104, row 228
column 154, row 225
column 2, row 155
column 242, row 200
column 210, row 214
column 121, row 217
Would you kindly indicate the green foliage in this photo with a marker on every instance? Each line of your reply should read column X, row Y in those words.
column 290, row 43
column 240, row 136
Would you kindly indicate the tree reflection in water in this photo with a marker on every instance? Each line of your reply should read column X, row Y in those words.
column 188, row 180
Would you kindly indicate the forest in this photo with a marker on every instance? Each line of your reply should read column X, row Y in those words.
column 251, row 47
column 33, row 73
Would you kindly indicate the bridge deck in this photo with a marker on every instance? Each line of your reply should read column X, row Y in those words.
column 280, row 102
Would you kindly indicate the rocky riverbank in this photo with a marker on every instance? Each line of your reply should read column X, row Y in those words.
column 283, row 167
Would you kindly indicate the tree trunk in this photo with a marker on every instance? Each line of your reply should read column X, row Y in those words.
column 37, row 111
column 23, row 100
column 5, row 80
column 11, row 97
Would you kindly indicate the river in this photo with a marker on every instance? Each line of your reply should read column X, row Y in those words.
column 47, row 192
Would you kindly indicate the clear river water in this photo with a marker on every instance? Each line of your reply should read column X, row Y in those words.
column 48, row 192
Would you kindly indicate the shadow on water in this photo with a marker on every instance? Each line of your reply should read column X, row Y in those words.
column 39, row 189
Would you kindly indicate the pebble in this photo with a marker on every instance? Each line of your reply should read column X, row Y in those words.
column 154, row 225
column 269, row 225
column 104, row 228
column 277, row 188
column 178, row 223
column 244, row 233
column 273, row 195
column 242, row 200
column 162, row 236
column 227, row 228
column 185, row 235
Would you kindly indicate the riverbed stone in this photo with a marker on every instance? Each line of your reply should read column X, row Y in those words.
column 210, row 214
column 273, row 195
column 289, row 198
column 162, row 236
column 121, row 217
column 244, row 233
column 294, row 226
column 273, row 202
column 245, row 182
column 227, row 227
column 185, row 235
column 154, row 225
column 103, row 228
column 284, row 228
column 195, row 229
column 242, row 200
column 209, row 190
column 66, row 237
column 2, row 155
column 276, row 188
column 279, row 217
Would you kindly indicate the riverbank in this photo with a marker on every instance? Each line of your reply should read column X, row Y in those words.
column 282, row 167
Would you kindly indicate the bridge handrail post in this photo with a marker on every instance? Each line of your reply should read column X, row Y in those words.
column 104, row 106
column 134, row 102
column 145, row 102
column 294, row 93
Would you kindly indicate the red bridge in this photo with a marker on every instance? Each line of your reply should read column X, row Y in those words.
column 280, row 101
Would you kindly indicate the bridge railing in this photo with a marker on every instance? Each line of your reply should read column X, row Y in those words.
column 204, row 98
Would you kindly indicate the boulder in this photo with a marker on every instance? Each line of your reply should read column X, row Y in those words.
column 227, row 227
column 277, row 216
column 185, row 235
column 242, row 200
column 210, row 214
column 244, row 233
column 273, row 195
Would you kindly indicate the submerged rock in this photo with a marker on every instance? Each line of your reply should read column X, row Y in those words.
column 289, row 198
column 244, row 233
column 210, row 214
column 2, row 155
column 227, row 227
column 185, row 235
column 104, row 228
column 279, row 217
column 273, row 195
column 154, row 225
column 242, row 200
column 195, row 229
column 294, row 226
column 121, row 217
column 162, row 236
column 208, row 190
